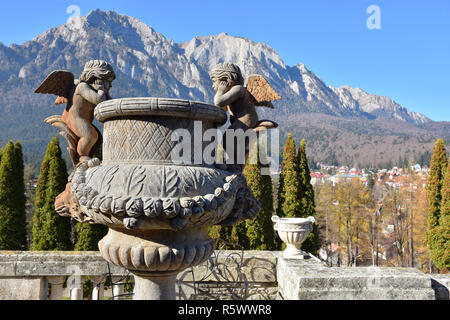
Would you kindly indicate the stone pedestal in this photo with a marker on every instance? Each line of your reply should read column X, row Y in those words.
column 312, row 280
column 154, row 287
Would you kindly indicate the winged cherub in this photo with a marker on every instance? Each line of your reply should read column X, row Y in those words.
column 80, row 96
column 240, row 101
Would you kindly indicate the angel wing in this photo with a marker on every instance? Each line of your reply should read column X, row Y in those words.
column 59, row 83
column 70, row 136
column 261, row 91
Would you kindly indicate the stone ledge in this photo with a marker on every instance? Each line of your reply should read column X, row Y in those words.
column 310, row 280
column 30, row 288
column 367, row 294
column 258, row 266
column 266, row 272
column 53, row 263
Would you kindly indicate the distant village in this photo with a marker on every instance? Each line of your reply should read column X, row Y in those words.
column 391, row 177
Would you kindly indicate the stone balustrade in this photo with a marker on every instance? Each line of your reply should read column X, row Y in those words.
column 239, row 275
column 32, row 275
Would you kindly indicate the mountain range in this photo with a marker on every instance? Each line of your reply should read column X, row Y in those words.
column 345, row 125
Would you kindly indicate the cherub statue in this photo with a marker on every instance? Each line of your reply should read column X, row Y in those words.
column 80, row 96
column 240, row 101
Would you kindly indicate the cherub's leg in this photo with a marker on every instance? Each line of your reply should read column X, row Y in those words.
column 88, row 137
column 232, row 144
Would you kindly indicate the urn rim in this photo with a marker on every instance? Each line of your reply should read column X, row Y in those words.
column 154, row 106
column 293, row 220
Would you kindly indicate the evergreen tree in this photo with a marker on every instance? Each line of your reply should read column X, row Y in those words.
column 238, row 236
column 12, row 199
column 306, row 197
column 438, row 167
column 288, row 190
column 232, row 238
column 445, row 204
column 50, row 231
column 440, row 235
column 288, row 201
column 435, row 182
column 88, row 236
column 305, row 189
column 19, row 186
column 260, row 231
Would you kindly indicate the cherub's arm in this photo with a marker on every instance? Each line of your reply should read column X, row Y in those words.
column 94, row 97
column 224, row 99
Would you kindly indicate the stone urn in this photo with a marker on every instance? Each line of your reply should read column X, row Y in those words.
column 158, row 209
column 293, row 232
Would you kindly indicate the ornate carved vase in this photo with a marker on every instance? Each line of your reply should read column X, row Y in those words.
column 293, row 232
column 157, row 208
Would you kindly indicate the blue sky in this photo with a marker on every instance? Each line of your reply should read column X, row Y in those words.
column 408, row 59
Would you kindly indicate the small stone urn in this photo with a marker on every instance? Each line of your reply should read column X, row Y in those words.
column 293, row 232
column 158, row 208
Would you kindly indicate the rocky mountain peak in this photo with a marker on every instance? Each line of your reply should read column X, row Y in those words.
column 332, row 120
column 380, row 106
column 302, row 68
column 149, row 64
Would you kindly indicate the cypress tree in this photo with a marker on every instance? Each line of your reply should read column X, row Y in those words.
column 288, row 190
column 440, row 235
column 232, row 238
column 305, row 189
column 445, row 204
column 438, row 167
column 238, row 235
column 50, row 231
column 12, row 199
column 306, row 198
column 260, row 231
column 21, row 198
column 88, row 236
column 288, row 201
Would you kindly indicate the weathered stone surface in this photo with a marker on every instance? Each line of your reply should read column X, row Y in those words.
column 31, row 288
column 157, row 203
column 310, row 280
column 42, row 263
column 265, row 271
column 441, row 286
column 258, row 266
column 229, row 291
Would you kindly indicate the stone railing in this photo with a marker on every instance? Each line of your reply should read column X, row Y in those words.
column 31, row 275
column 238, row 275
